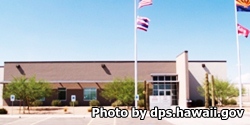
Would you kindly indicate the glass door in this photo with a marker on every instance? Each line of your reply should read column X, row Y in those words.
column 168, row 92
column 161, row 92
column 164, row 92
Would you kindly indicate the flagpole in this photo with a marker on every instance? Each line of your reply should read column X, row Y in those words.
column 135, row 52
column 238, row 54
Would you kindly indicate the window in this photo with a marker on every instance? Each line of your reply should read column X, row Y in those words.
column 155, row 92
column 161, row 78
column 174, row 78
column 42, row 99
column 161, row 86
column 167, row 78
column 155, row 86
column 155, row 78
column 89, row 94
column 161, row 93
column 167, row 86
column 174, row 92
column 173, row 86
column 62, row 94
column 168, row 93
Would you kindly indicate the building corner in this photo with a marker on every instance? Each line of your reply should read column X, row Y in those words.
column 183, row 78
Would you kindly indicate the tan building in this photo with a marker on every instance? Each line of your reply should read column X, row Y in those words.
column 246, row 96
column 85, row 79
column 1, row 85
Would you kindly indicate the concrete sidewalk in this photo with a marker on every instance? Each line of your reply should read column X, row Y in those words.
column 56, row 115
column 49, row 110
column 79, row 110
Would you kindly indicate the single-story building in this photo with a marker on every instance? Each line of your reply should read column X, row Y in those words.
column 246, row 96
column 1, row 85
column 85, row 79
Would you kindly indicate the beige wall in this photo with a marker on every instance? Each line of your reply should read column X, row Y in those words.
column 197, row 74
column 183, row 78
column 246, row 95
column 1, row 85
column 71, row 89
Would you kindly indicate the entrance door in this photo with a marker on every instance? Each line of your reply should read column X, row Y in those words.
column 165, row 98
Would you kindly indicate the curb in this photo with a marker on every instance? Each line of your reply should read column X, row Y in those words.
column 55, row 116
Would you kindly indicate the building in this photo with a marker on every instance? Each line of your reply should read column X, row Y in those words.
column 1, row 85
column 246, row 96
column 85, row 79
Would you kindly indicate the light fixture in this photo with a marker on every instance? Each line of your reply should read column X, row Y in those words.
column 18, row 66
column 203, row 65
column 103, row 65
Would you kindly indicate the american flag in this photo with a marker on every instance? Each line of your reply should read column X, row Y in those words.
column 143, row 3
column 242, row 30
column 142, row 23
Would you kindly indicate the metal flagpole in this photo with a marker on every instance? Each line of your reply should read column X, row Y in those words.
column 135, row 52
column 238, row 54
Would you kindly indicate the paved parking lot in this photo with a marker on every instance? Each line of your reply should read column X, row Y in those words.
column 78, row 120
column 80, row 116
column 87, row 120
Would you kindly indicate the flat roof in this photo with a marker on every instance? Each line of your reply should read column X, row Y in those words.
column 117, row 61
column 207, row 61
column 74, row 81
column 128, row 61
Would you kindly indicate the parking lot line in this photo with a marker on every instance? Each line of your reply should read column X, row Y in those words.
column 18, row 120
column 90, row 121
column 115, row 121
column 40, row 120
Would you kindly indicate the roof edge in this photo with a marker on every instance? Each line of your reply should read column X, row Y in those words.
column 207, row 61
column 73, row 81
column 129, row 61
column 182, row 53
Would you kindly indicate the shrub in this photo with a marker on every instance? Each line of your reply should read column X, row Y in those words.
column 117, row 103
column 224, row 102
column 94, row 103
column 56, row 103
column 215, row 102
column 3, row 111
column 193, row 104
column 75, row 103
column 65, row 109
column 232, row 102
column 37, row 103
column 141, row 103
column 89, row 109
column 199, row 102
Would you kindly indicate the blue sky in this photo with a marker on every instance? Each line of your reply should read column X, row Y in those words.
column 78, row 30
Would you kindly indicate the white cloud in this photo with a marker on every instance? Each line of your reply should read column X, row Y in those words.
column 245, row 78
